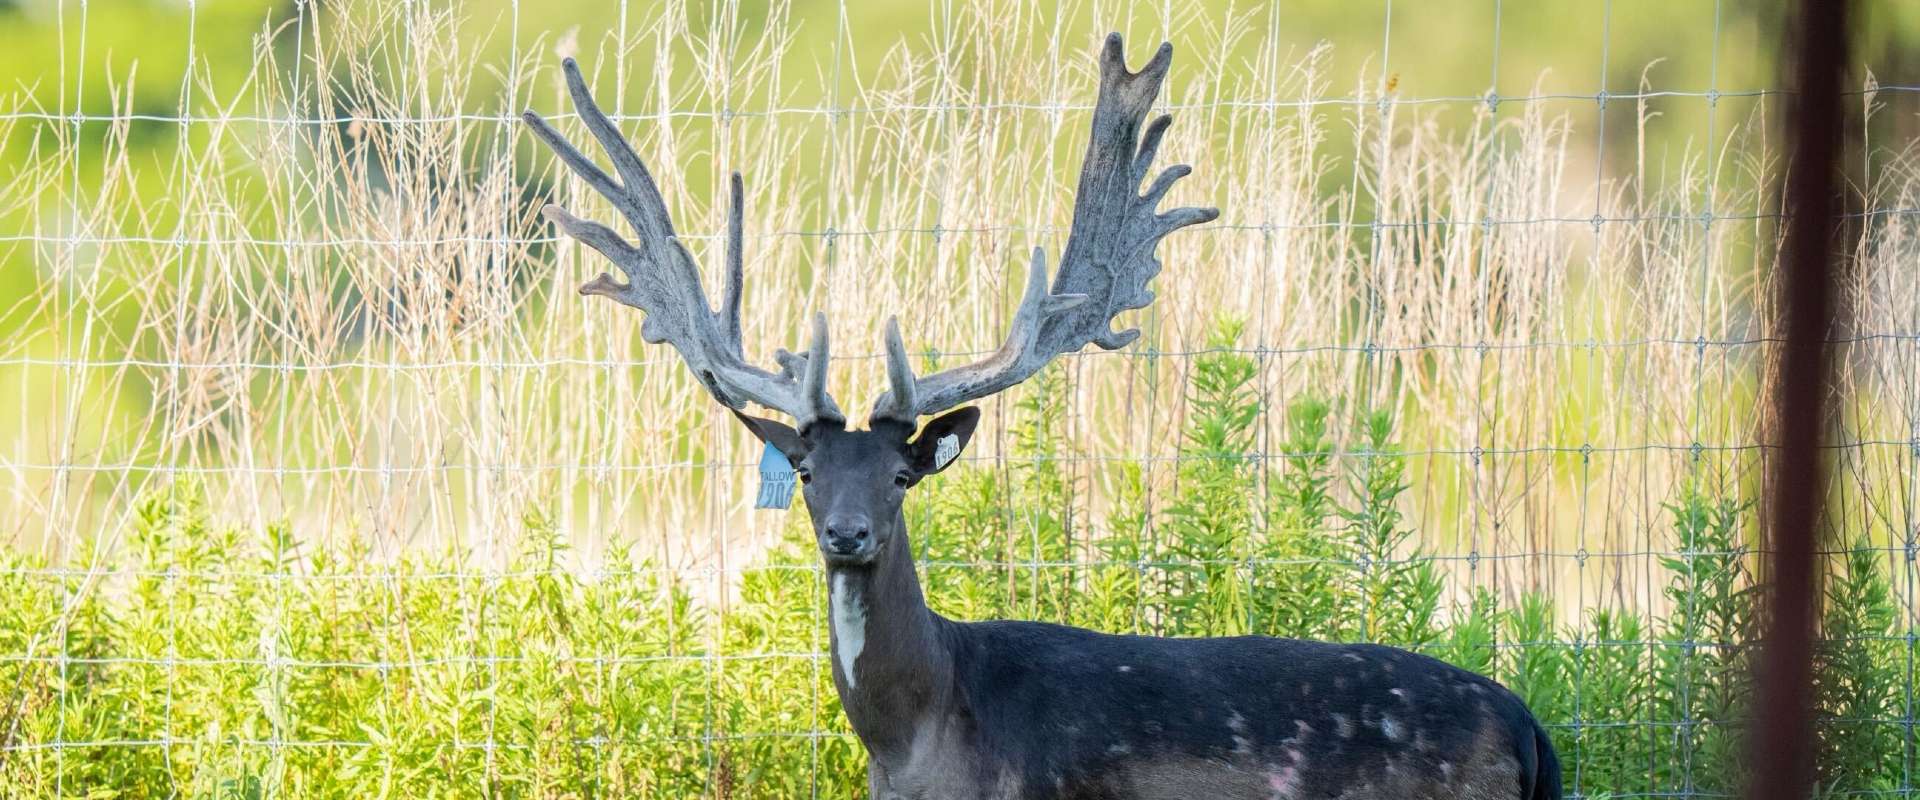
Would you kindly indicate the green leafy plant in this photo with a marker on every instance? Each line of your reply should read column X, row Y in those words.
column 1395, row 591
column 1301, row 554
column 1210, row 522
column 209, row 660
column 1705, row 646
column 1860, row 674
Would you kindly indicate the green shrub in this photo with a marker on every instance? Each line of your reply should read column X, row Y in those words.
column 1208, row 525
column 1301, row 556
column 1394, row 590
column 1613, row 736
column 1703, row 657
column 213, row 661
column 1861, row 674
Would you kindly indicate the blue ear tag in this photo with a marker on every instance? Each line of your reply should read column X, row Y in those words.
column 776, row 480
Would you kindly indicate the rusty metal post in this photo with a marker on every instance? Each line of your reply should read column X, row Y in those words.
column 1783, row 730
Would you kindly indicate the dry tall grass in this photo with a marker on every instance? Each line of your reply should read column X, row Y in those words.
column 362, row 326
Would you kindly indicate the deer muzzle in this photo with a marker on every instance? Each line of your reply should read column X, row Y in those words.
column 847, row 539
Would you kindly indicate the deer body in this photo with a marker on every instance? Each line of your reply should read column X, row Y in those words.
column 1007, row 710
column 1010, row 709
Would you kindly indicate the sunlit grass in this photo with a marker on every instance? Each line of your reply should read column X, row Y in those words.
column 365, row 328
column 340, row 368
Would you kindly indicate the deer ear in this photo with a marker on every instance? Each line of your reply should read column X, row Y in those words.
column 782, row 436
column 940, row 442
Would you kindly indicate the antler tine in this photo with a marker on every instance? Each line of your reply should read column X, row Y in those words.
column 1017, row 358
column 898, row 403
column 663, row 281
column 813, row 383
column 638, row 182
column 736, row 262
column 1105, row 267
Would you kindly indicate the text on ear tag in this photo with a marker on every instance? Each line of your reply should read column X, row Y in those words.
column 776, row 480
column 944, row 449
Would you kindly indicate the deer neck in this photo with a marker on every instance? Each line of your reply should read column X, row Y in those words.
column 891, row 661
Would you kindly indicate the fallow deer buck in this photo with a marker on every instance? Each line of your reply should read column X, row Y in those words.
column 1005, row 709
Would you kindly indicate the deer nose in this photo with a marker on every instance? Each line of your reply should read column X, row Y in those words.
column 847, row 534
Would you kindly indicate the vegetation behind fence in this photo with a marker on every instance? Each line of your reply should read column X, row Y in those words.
column 317, row 479
column 226, row 662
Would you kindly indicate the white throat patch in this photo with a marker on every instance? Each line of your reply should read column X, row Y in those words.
column 849, row 625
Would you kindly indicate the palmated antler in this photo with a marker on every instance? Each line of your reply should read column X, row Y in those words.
column 1104, row 271
column 663, row 281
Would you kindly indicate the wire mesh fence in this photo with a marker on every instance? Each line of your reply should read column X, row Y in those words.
column 320, row 479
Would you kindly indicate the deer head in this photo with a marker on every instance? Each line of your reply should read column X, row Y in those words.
column 854, row 480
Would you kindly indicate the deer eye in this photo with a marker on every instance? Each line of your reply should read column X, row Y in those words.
column 806, row 475
column 901, row 479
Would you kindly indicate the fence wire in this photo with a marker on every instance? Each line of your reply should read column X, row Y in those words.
column 331, row 319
